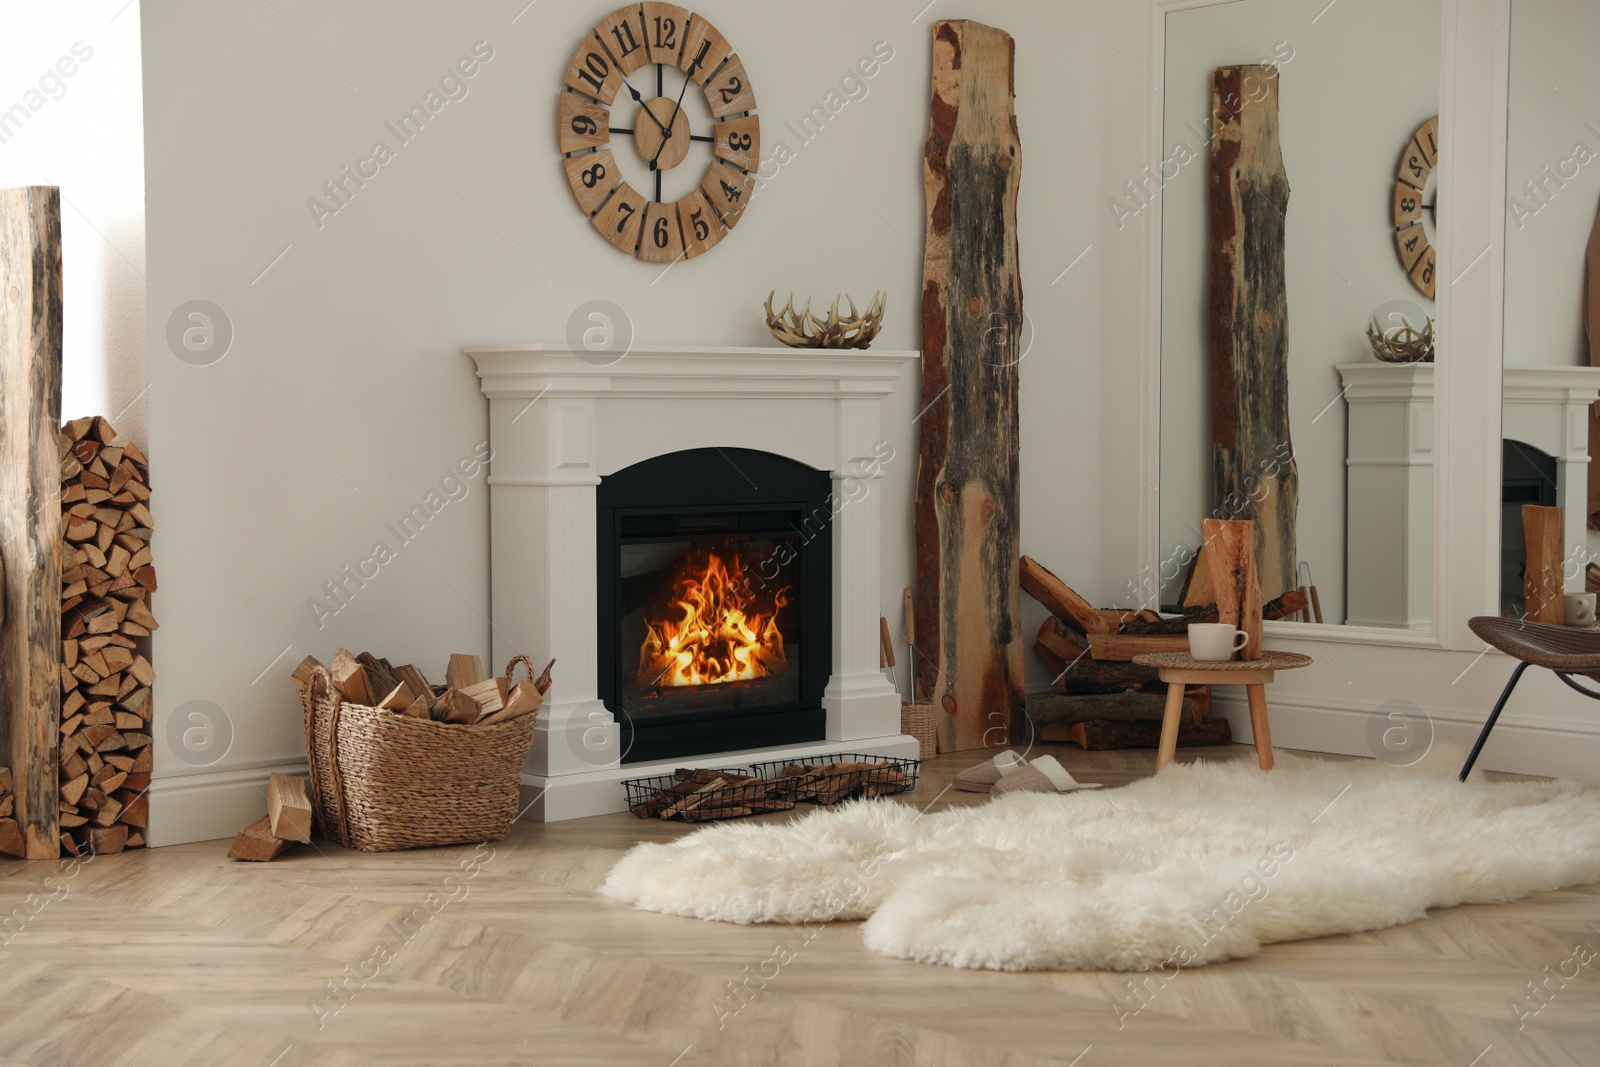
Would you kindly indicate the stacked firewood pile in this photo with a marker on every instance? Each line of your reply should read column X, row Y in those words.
column 106, row 576
column 702, row 795
column 1102, row 699
column 11, row 842
column 832, row 782
column 467, row 697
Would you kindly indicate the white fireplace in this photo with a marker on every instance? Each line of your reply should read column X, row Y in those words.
column 559, row 421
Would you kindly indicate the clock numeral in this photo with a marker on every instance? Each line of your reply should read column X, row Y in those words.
column 731, row 91
column 667, row 33
column 1416, row 167
column 592, row 176
column 1408, row 204
column 596, row 72
column 662, row 233
column 1427, row 274
column 625, row 212
column 701, row 230
column 625, row 39
column 1412, row 243
column 732, row 192
column 740, row 142
column 700, row 57
column 584, row 125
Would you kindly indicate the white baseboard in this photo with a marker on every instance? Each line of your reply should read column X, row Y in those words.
column 210, row 806
column 1551, row 749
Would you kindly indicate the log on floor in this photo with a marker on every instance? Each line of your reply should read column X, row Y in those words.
column 1104, row 734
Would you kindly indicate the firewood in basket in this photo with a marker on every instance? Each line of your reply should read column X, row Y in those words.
column 490, row 694
column 413, row 678
column 543, row 682
column 288, row 808
column 525, row 699
column 693, row 800
column 420, row 708
column 256, row 843
column 455, row 706
column 463, row 671
column 399, row 698
column 350, row 678
column 380, row 675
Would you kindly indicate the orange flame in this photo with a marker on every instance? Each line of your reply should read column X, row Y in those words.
column 719, row 637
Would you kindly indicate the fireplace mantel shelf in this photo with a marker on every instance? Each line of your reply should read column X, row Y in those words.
column 530, row 370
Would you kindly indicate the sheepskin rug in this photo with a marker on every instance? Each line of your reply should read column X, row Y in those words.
column 1201, row 863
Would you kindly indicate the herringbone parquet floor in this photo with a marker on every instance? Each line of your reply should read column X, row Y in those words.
column 501, row 955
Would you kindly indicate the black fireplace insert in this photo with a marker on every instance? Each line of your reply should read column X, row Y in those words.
column 715, row 602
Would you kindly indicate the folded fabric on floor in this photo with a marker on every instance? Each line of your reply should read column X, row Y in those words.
column 1204, row 862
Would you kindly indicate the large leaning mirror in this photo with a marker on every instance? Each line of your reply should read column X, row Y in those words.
column 1550, row 496
column 1297, row 196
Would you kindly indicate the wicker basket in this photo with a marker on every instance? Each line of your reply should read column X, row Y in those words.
column 921, row 722
column 382, row 781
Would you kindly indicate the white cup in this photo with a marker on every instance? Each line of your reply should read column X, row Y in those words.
column 1579, row 609
column 1215, row 642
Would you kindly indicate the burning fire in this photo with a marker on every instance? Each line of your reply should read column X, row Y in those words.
column 719, row 637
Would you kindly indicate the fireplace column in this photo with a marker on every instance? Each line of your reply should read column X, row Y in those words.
column 542, row 548
column 859, row 701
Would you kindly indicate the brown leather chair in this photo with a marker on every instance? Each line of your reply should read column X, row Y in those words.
column 1564, row 650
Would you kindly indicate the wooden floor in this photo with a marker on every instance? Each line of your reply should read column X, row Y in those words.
column 180, row 956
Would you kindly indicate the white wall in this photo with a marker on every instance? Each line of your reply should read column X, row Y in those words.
column 70, row 116
column 344, row 398
column 1553, row 145
column 1354, row 86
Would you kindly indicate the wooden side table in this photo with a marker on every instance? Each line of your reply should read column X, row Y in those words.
column 1179, row 669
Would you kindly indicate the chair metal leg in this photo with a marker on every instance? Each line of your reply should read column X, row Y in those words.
column 1505, row 694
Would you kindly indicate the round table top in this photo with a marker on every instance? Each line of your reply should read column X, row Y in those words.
column 1269, row 661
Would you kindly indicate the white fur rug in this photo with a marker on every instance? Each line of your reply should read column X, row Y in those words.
column 1202, row 863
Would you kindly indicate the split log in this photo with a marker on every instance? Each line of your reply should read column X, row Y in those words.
column 1127, row 646
column 463, row 672
column 11, row 841
column 968, row 603
column 288, row 808
column 30, row 499
column 1542, row 587
column 1180, row 625
column 256, row 843
column 1254, row 468
column 104, row 764
column 1230, row 547
column 1286, row 606
column 1046, row 708
column 1064, row 603
column 455, row 706
column 1105, row 734
column 1089, row 676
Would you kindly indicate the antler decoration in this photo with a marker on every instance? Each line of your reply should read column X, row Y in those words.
column 802, row 329
column 1403, row 343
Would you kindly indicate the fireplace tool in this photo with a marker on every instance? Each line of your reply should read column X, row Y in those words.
column 886, row 650
column 1308, row 589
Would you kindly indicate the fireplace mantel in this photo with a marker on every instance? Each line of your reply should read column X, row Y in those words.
column 559, row 421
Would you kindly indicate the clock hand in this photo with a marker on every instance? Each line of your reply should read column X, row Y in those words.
column 694, row 65
column 640, row 101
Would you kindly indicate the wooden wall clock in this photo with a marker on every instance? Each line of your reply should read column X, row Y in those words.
column 657, row 130
column 1410, row 239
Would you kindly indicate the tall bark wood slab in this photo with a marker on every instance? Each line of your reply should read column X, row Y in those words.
column 1254, row 469
column 30, row 507
column 1541, row 577
column 969, row 610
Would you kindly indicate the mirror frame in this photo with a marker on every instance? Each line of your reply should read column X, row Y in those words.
column 1474, row 65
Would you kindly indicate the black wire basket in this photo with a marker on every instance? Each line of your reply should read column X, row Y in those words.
column 708, row 794
column 836, row 776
